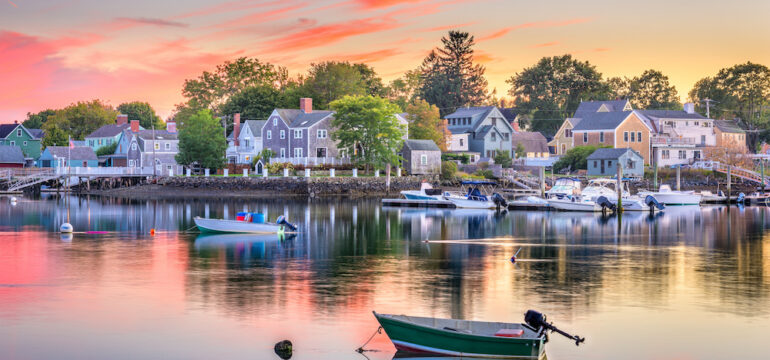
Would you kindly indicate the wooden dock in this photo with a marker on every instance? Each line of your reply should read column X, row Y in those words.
column 418, row 203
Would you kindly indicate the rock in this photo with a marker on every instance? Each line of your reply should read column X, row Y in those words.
column 284, row 349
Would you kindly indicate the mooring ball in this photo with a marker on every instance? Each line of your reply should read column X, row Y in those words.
column 65, row 228
column 284, row 349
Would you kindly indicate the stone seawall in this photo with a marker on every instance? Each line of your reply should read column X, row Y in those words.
column 273, row 186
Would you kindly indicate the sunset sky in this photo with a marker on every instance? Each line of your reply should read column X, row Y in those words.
column 53, row 53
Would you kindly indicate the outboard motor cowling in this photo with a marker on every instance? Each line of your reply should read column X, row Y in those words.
column 652, row 201
column 537, row 321
column 499, row 200
column 741, row 198
column 605, row 203
column 281, row 220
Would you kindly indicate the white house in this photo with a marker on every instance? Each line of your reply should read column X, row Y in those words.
column 678, row 137
column 245, row 141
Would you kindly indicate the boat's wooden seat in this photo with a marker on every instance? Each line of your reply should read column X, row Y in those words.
column 510, row 332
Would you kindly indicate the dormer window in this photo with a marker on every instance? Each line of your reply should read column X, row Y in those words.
column 275, row 121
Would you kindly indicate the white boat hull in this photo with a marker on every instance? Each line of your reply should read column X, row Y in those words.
column 568, row 205
column 672, row 198
column 633, row 204
column 471, row 204
column 236, row 227
column 420, row 195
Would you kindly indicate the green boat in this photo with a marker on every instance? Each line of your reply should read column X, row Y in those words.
column 465, row 338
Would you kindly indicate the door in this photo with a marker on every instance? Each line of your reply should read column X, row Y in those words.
column 259, row 168
column 602, row 164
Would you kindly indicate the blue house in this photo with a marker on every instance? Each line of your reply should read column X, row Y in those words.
column 487, row 130
column 604, row 162
column 58, row 156
column 110, row 134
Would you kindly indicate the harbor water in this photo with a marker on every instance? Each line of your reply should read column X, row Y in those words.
column 687, row 283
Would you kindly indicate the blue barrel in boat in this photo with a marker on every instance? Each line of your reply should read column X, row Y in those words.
column 241, row 216
column 257, row 218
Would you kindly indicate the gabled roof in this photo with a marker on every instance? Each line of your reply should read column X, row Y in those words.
column 110, row 130
column 532, row 141
column 11, row 155
column 587, row 107
column 510, row 114
column 671, row 114
column 78, row 152
column 255, row 126
column 299, row 119
column 6, row 129
column 36, row 133
column 427, row 145
column 609, row 153
column 729, row 126
column 473, row 111
column 602, row 121
column 159, row 135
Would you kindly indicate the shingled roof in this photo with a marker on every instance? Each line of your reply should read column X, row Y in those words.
column 671, row 114
column 588, row 107
column 77, row 153
column 297, row 118
column 602, row 121
column 6, row 129
column 729, row 126
column 609, row 153
column 11, row 155
column 110, row 130
column 532, row 141
column 426, row 145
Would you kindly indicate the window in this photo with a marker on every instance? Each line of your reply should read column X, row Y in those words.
column 696, row 123
column 298, row 134
column 13, row 143
column 269, row 134
column 157, row 145
column 297, row 152
column 275, row 121
column 507, row 136
column 18, row 133
column 100, row 141
column 596, row 163
column 168, row 167
column 131, row 163
column 25, row 143
column 631, row 164
column 91, row 143
column 168, row 146
column 321, row 134
column 423, row 159
column 246, row 142
column 625, row 136
column 665, row 154
column 601, row 137
column 283, row 153
column 703, row 139
column 133, row 146
column 494, row 136
column 682, row 154
column 632, row 137
column 609, row 163
column 461, row 142
column 283, row 134
column 320, row 152
column 585, row 138
column 696, row 154
column 639, row 136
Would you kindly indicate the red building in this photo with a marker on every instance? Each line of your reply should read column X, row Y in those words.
column 11, row 157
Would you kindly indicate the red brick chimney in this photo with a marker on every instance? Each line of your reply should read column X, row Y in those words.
column 236, row 128
column 171, row 126
column 135, row 126
column 122, row 119
column 515, row 125
column 306, row 105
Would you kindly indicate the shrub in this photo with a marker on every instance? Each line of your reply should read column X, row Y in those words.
column 575, row 158
column 448, row 170
column 278, row 167
column 485, row 173
column 462, row 158
column 504, row 158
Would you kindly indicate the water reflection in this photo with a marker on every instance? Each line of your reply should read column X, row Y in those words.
column 687, row 270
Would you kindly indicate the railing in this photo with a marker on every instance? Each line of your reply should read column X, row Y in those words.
column 663, row 140
column 311, row 160
column 105, row 171
column 739, row 172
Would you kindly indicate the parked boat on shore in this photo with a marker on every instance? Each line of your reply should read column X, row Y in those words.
column 243, row 226
column 668, row 197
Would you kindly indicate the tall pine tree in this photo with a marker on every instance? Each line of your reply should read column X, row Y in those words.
column 450, row 79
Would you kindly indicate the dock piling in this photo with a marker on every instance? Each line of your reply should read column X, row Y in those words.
column 679, row 178
column 619, row 188
column 729, row 180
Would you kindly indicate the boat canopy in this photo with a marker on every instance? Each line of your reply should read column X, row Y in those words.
column 478, row 182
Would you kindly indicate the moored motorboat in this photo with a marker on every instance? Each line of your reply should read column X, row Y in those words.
column 668, row 197
column 472, row 196
column 426, row 192
column 465, row 338
column 638, row 203
column 564, row 187
column 595, row 197
column 707, row 197
column 243, row 227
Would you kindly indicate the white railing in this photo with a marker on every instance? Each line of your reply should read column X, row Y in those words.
column 105, row 171
column 311, row 160
column 663, row 140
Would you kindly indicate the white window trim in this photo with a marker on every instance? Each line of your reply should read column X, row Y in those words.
column 423, row 159
column 298, row 134
column 269, row 134
column 133, row 146
column 283, row 134
column 297, row 152
column 283, row 153
column 168, row 146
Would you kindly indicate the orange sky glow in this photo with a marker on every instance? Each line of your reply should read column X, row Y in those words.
column 53, row 54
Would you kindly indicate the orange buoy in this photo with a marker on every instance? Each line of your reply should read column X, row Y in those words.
column 152, row 231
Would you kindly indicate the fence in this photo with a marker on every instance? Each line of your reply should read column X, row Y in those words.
column 312, row 160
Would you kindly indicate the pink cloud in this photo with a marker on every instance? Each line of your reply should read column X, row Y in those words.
column 328, row 34
column 552, row 43
column 368, row 57
column 378, row 4
column 14, row 4
column 450, row 27
column 230, row 6
column 262, row 16
column 532, row 25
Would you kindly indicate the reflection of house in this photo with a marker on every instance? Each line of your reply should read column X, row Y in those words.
column 727, row 132
column 245, row 142
column 534, row 143
column 488, row 131
column 421, row 157
column 618, row 129
column 604, row 162
column 63, row 156
column 11, row 157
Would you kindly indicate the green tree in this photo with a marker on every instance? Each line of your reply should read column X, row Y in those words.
column 142, row 111
column 331, row 80
column 402, row 91
column 79, row 120
column 448, row 170
column 520, row 151
column 54, row 137
column 450, row 79
column 254, row 102
column 552, row 89
column 372, row 82
column 36, row 121
column 651, row 90
column 107, row 149
column 575, row 158
column 367, row 128
column 201, row 141
column 503, row 158
column 424, row 122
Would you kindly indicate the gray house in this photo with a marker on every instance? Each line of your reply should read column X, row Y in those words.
column 158, row 148
column 300, row 134
column 488, row 130
column 604, row 162
column 421, row 157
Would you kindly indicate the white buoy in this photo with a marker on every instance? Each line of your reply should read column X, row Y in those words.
column 65, row 228
column 67, row 238
column 13, row 199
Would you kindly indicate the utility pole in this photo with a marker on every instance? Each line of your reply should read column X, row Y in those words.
column 708, row 107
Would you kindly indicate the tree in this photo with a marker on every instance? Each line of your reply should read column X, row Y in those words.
column 520, row 151
column 254, row 102
column 403, row 90
column 450, row 79
column 448, row 170
column 201, row 141
column 731, row 153
column 739, row 91
column 552, row 89
column 36, row 121
column 575, row 158
column 651, row 90
column 503, row 158
column 79, row 120
column 107, row 149
column 54, row 137
column 424, row 122
column 331, row 80
column 212, row 89
column 367, row 128
column 372, row 82
column 142, row 111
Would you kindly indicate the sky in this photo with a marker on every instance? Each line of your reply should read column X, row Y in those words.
column 54, row 53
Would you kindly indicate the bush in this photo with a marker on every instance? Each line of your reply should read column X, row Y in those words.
column 277, row 167
column 485, row 173
column 107, row 149
column 504, row 158
column 448, row 170
column 575, row 158
column 462, row 158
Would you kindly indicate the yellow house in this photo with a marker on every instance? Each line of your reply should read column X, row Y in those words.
column 619, row 129
column 562, row 141
column 729, row 133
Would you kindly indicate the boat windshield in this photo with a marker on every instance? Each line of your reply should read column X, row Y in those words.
column 564, row 186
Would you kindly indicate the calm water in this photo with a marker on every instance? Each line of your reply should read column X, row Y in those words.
column 688, row 284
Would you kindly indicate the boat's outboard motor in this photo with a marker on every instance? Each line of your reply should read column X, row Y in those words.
column 536, row 320
column 741, row 198
column 652, row 201
column 281, row 220
column 499, row 201
column 605, row 203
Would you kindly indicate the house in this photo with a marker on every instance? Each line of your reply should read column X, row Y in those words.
column 421, row 157
column 108, row 134
column 604, row 162
column 300, row 134
column 28, row 140
column 563, row 140
column 591, row 107
column 488, row 132
column 245, row 142
column 678, row 137
column 154, row 148
column 11, row 157
column 619, row 129
column 512, row 116
column 534, row 143
column 64, row 156
column 727, row 133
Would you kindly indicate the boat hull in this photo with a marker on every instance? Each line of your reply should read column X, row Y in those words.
column 471, row 204
column 419, row 195
column 567, row 205
column 236, row 227
column 667, row 198
column 419, row 339
column 631, row 204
